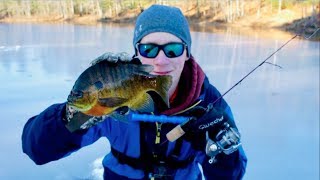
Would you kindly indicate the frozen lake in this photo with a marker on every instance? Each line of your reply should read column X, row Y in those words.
column 277, row 110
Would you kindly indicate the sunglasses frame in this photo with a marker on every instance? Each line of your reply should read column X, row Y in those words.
column 161, row 47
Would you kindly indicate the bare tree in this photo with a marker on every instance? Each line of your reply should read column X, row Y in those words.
column 27, row 8
column 259, row 8
column 71, row 7
column 99, row 11
column 62, row 8
column 242, row 8
column 280, row 6
column 237, row 8
column 80, row 9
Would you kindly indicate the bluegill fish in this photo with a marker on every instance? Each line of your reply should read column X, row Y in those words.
column 107, row 86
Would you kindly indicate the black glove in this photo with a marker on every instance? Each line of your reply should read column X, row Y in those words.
column 212, row 120
column 77, row 120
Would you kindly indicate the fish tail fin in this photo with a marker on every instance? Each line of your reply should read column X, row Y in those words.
column 162, row 87
column 145, row 104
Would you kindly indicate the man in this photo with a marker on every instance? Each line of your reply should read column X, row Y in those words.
column 140, row 150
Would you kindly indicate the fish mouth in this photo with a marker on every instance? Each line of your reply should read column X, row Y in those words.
column 72, row 101
column 78, row 107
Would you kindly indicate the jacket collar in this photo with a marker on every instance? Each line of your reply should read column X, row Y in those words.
column 189, row 87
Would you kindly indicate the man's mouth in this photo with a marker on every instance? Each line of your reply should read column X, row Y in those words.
column 161, row 72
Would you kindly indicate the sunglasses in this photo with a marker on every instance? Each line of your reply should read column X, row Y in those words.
column 171, row 50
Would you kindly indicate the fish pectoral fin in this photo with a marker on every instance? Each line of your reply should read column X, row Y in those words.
column 111, row 102
column 145, row 105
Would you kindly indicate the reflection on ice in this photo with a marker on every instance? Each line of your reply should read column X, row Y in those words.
column 10, row 48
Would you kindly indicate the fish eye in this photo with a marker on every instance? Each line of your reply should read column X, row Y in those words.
column 98, row 85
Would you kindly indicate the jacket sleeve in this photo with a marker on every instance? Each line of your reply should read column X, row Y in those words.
column 227, row 167
column 232, row 166
column 45, row 137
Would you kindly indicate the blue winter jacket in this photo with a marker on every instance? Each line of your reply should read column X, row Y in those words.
column 45, row 138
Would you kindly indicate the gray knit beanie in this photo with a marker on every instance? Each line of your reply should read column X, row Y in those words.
column 159, row 18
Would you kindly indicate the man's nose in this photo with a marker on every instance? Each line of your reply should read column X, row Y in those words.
column 161, row 58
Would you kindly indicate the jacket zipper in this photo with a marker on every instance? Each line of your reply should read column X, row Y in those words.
column 158, row 125
column 158, row 133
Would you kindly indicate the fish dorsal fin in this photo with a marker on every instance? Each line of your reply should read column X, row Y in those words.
column 112, row 58
column 103, row 57
column 144, row 105
column 112, row 101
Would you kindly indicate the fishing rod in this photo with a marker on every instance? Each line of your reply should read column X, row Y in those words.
column 180, row 129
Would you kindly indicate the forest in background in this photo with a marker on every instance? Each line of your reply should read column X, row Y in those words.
column 294, row 15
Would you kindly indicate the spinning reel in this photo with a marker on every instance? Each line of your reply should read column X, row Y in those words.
column 227, row 141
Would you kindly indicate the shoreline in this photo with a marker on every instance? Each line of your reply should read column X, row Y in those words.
column 304, row 26
column 295, row 17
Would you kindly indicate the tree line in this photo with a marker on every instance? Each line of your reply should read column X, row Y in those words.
column 221, row 10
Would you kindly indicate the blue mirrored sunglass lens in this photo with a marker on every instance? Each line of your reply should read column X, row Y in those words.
column 148, row 50
column 173, row 50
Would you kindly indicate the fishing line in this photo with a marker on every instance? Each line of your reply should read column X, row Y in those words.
column 311, row 34
column 265, row 61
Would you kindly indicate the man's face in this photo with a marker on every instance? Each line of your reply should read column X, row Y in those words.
column 161, row 63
